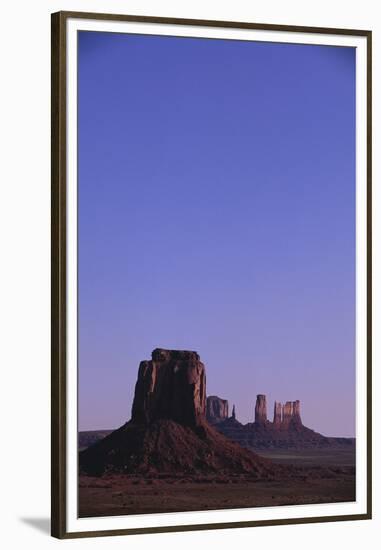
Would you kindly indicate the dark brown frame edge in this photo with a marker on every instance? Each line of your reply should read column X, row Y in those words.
column 58, row 277
column 58, row 272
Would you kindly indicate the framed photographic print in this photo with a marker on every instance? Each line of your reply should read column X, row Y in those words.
column 211, row 274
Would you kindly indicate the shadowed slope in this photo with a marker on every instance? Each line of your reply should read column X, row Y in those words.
column 166, row 446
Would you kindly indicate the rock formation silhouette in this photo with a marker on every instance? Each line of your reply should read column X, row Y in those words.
column 168, row 432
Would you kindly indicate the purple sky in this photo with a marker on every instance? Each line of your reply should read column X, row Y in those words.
column 217, row 214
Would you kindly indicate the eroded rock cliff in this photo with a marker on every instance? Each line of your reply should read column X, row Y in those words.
column 168, row 432
column 217, row 409
column 171, row 385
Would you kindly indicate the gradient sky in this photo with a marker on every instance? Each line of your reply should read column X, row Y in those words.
column 217, row 214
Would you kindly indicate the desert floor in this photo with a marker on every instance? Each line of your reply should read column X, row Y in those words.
column 322, row 476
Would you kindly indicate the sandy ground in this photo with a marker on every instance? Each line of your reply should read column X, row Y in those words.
column 312, row 457
column 121, row 494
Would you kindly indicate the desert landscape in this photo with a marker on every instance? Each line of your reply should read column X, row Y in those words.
column 182, row 451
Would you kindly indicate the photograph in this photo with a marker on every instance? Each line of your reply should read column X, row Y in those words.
column 214, row 218
column 216, row 274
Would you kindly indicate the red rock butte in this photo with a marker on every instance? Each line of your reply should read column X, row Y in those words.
column 168, row 432
column 171, row 385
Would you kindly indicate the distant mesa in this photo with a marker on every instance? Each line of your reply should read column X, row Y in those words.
column 291, row 414
column 286, row 431
column 285, row 416
column 217, row 409
column 168, row 431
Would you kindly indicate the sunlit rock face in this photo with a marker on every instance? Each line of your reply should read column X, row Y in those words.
column 171, row 385
column 291, row 414
column 261, row 409
column 277, row 421
column 217, row 409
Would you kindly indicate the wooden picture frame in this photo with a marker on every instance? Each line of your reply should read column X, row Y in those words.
column 62, row 238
